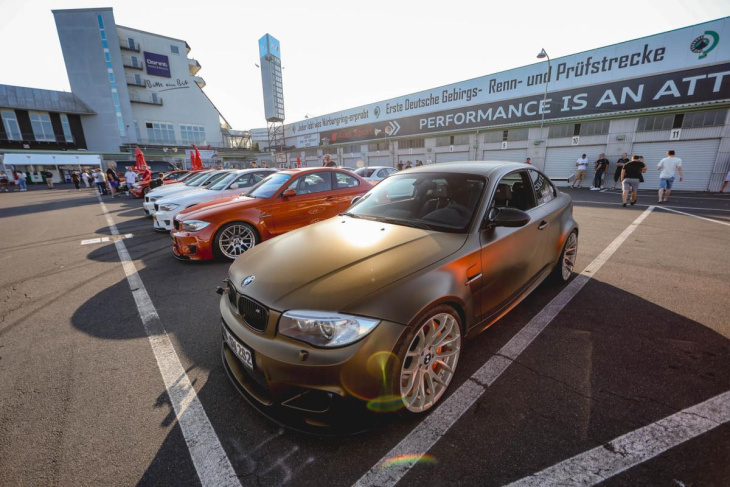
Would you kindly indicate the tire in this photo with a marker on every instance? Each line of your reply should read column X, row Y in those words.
column 564, row 267
column 145, row 191
column 428, row 355
column 233, row 239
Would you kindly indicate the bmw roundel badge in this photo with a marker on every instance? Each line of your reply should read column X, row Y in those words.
column 248, row 280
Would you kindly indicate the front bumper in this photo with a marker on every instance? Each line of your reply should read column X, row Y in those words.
column 193, row 245
column 294, row 375
column 162, row 220
column 149, row 208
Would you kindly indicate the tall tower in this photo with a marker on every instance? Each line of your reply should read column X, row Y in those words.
column 270, row 56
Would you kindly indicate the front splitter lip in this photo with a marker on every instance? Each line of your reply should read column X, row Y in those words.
column 347, row 418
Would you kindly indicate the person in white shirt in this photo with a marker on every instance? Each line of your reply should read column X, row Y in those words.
column 131, row 178
column 85, row 177
column 669, row 167
column 580, row 173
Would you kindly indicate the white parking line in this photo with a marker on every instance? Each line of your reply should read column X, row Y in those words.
column 631, row 449
column 103, row 239
column 703, row 208
column 695, row 216
column 433, row 427
column 208, row 456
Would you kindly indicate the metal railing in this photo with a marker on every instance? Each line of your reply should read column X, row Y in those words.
column 148, row 98
column 30, row 138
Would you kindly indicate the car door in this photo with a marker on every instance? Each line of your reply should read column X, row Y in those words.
column 314, row 201
column 345, row 189
column 510, row 257
column 551, row 208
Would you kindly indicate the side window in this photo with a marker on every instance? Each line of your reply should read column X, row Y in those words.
column 312, row 183
column 515, row 191
column 544, row 190
column 343, row 180
column 382, row 173
column 243, row 181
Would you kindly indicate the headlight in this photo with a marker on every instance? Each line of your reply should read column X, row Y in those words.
column 325, row 329
column 194, row 225
column 151, row 199
column 169, row 206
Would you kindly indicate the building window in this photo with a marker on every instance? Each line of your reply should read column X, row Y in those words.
column 649, row 124
column 447, row 140
column 66, row 128
column 495, row 136
column 353, row 149
column 377, row 146
column 42, row 127
column 559, row 131
column 174, row 50
column 411, row 144
column 712, row 118
column 192, row 134
column 514, row 135
column 10, row 122
column 310, row 153
column 594, row 128
column 161, row 132
column 135, row 62
column 136, row 131
column 131, row 44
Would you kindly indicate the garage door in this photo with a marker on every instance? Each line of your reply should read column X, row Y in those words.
column 379, row 161
column 452, row 156
column 698, row 158
column 354, row 162
column 511, row 155
column 560, row 162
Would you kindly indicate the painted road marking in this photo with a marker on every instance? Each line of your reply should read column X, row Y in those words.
column 208, row 456
column 433, row 427
column 695, row 216
column 105, row 239
column 629, row 450
column 703, row 208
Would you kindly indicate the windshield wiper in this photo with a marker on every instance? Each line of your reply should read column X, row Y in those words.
column 406, row 223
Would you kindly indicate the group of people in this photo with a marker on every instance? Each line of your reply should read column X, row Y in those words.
column 254, row 164
column 630, row 172
column 19, row 180
column 408, row 165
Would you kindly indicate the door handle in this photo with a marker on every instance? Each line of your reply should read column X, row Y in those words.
column 543, row 225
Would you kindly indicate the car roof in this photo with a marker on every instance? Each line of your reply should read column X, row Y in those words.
column 300, row 170
column 490, row 169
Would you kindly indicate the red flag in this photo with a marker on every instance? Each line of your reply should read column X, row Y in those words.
column 141, row 164
column 196, row 163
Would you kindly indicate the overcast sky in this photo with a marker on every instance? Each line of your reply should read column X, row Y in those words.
column 341, row 54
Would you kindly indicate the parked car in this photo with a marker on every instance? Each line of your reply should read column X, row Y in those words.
column 233, row 184
column 375, row 173
column 280, row 203
column 372, row 307
column 142, row 187
column 200, row 180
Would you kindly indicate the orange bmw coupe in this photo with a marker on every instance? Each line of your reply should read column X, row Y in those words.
column 287, row 200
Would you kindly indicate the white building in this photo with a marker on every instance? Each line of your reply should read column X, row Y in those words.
column 142, row 87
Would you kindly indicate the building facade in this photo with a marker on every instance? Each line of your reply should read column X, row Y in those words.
column 645, row 96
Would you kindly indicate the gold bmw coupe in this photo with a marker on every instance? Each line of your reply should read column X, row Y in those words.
column 372, row 306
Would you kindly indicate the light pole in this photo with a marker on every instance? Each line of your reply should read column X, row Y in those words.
column 542, row 55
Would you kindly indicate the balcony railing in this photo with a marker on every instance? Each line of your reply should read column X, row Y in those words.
column 133, row 63
column 194, row 66
column 199, row 81
column 148, row 98
column 128, row 44
column 132, row 81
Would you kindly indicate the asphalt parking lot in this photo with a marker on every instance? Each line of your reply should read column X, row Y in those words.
column 624, row 380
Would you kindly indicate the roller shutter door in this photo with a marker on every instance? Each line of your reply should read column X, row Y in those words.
column 379, row 161
column 698, row 159
column 510, row 155
column 560, row 162
column 353, row 162
column 452, row 156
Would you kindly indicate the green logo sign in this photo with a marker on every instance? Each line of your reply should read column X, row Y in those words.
column 705, row 43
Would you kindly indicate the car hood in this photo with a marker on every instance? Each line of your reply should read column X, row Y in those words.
column 208, row 210
column 163, row 191
column 332, row 264
column 192, row 197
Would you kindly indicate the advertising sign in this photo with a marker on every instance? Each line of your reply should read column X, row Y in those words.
column 157, row 64
column 311, row 140
column 576, row 85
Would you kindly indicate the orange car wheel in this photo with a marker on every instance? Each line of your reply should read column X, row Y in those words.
column 233, row 239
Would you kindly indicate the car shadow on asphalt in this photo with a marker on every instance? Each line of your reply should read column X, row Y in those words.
column 634, row 363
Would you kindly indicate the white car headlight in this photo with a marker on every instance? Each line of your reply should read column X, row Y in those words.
column 194, row 225
column 325, row 329
column 151, row 198
column 169, row 206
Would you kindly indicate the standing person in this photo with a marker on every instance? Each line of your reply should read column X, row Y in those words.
column 85, row 177
column 630, row 178
column 328, row 162
column 253, row 164
column 527, row 161
column 112, row 178
column 131, row 178
column 3, row 181
column 580, row 173
column 100, row 182
column 49, row 178
column 146, row 174
column 601, row 167
column 263, row 164
column 399, row 166
column 76, row 179
column 725, row 183
column 22, row 181
column 619, row 167
column 669, row 167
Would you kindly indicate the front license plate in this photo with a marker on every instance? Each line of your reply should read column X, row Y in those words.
column 243, row 353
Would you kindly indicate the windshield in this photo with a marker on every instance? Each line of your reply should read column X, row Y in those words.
column 214, row 179
column 437, row 201
column 365, row 172
column 196, row 179
column 222, row 183
column 267, row 187
column 175, row 176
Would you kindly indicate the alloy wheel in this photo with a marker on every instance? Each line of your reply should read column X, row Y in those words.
column 569, row 255
column 235, row 240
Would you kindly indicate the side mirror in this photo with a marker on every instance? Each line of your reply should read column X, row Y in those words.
column 233, row 186
column 289, row 193
column 507, row 217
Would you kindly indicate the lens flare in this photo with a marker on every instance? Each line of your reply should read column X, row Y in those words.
column 377, row 366
column 385, row 404
column 425, row 459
